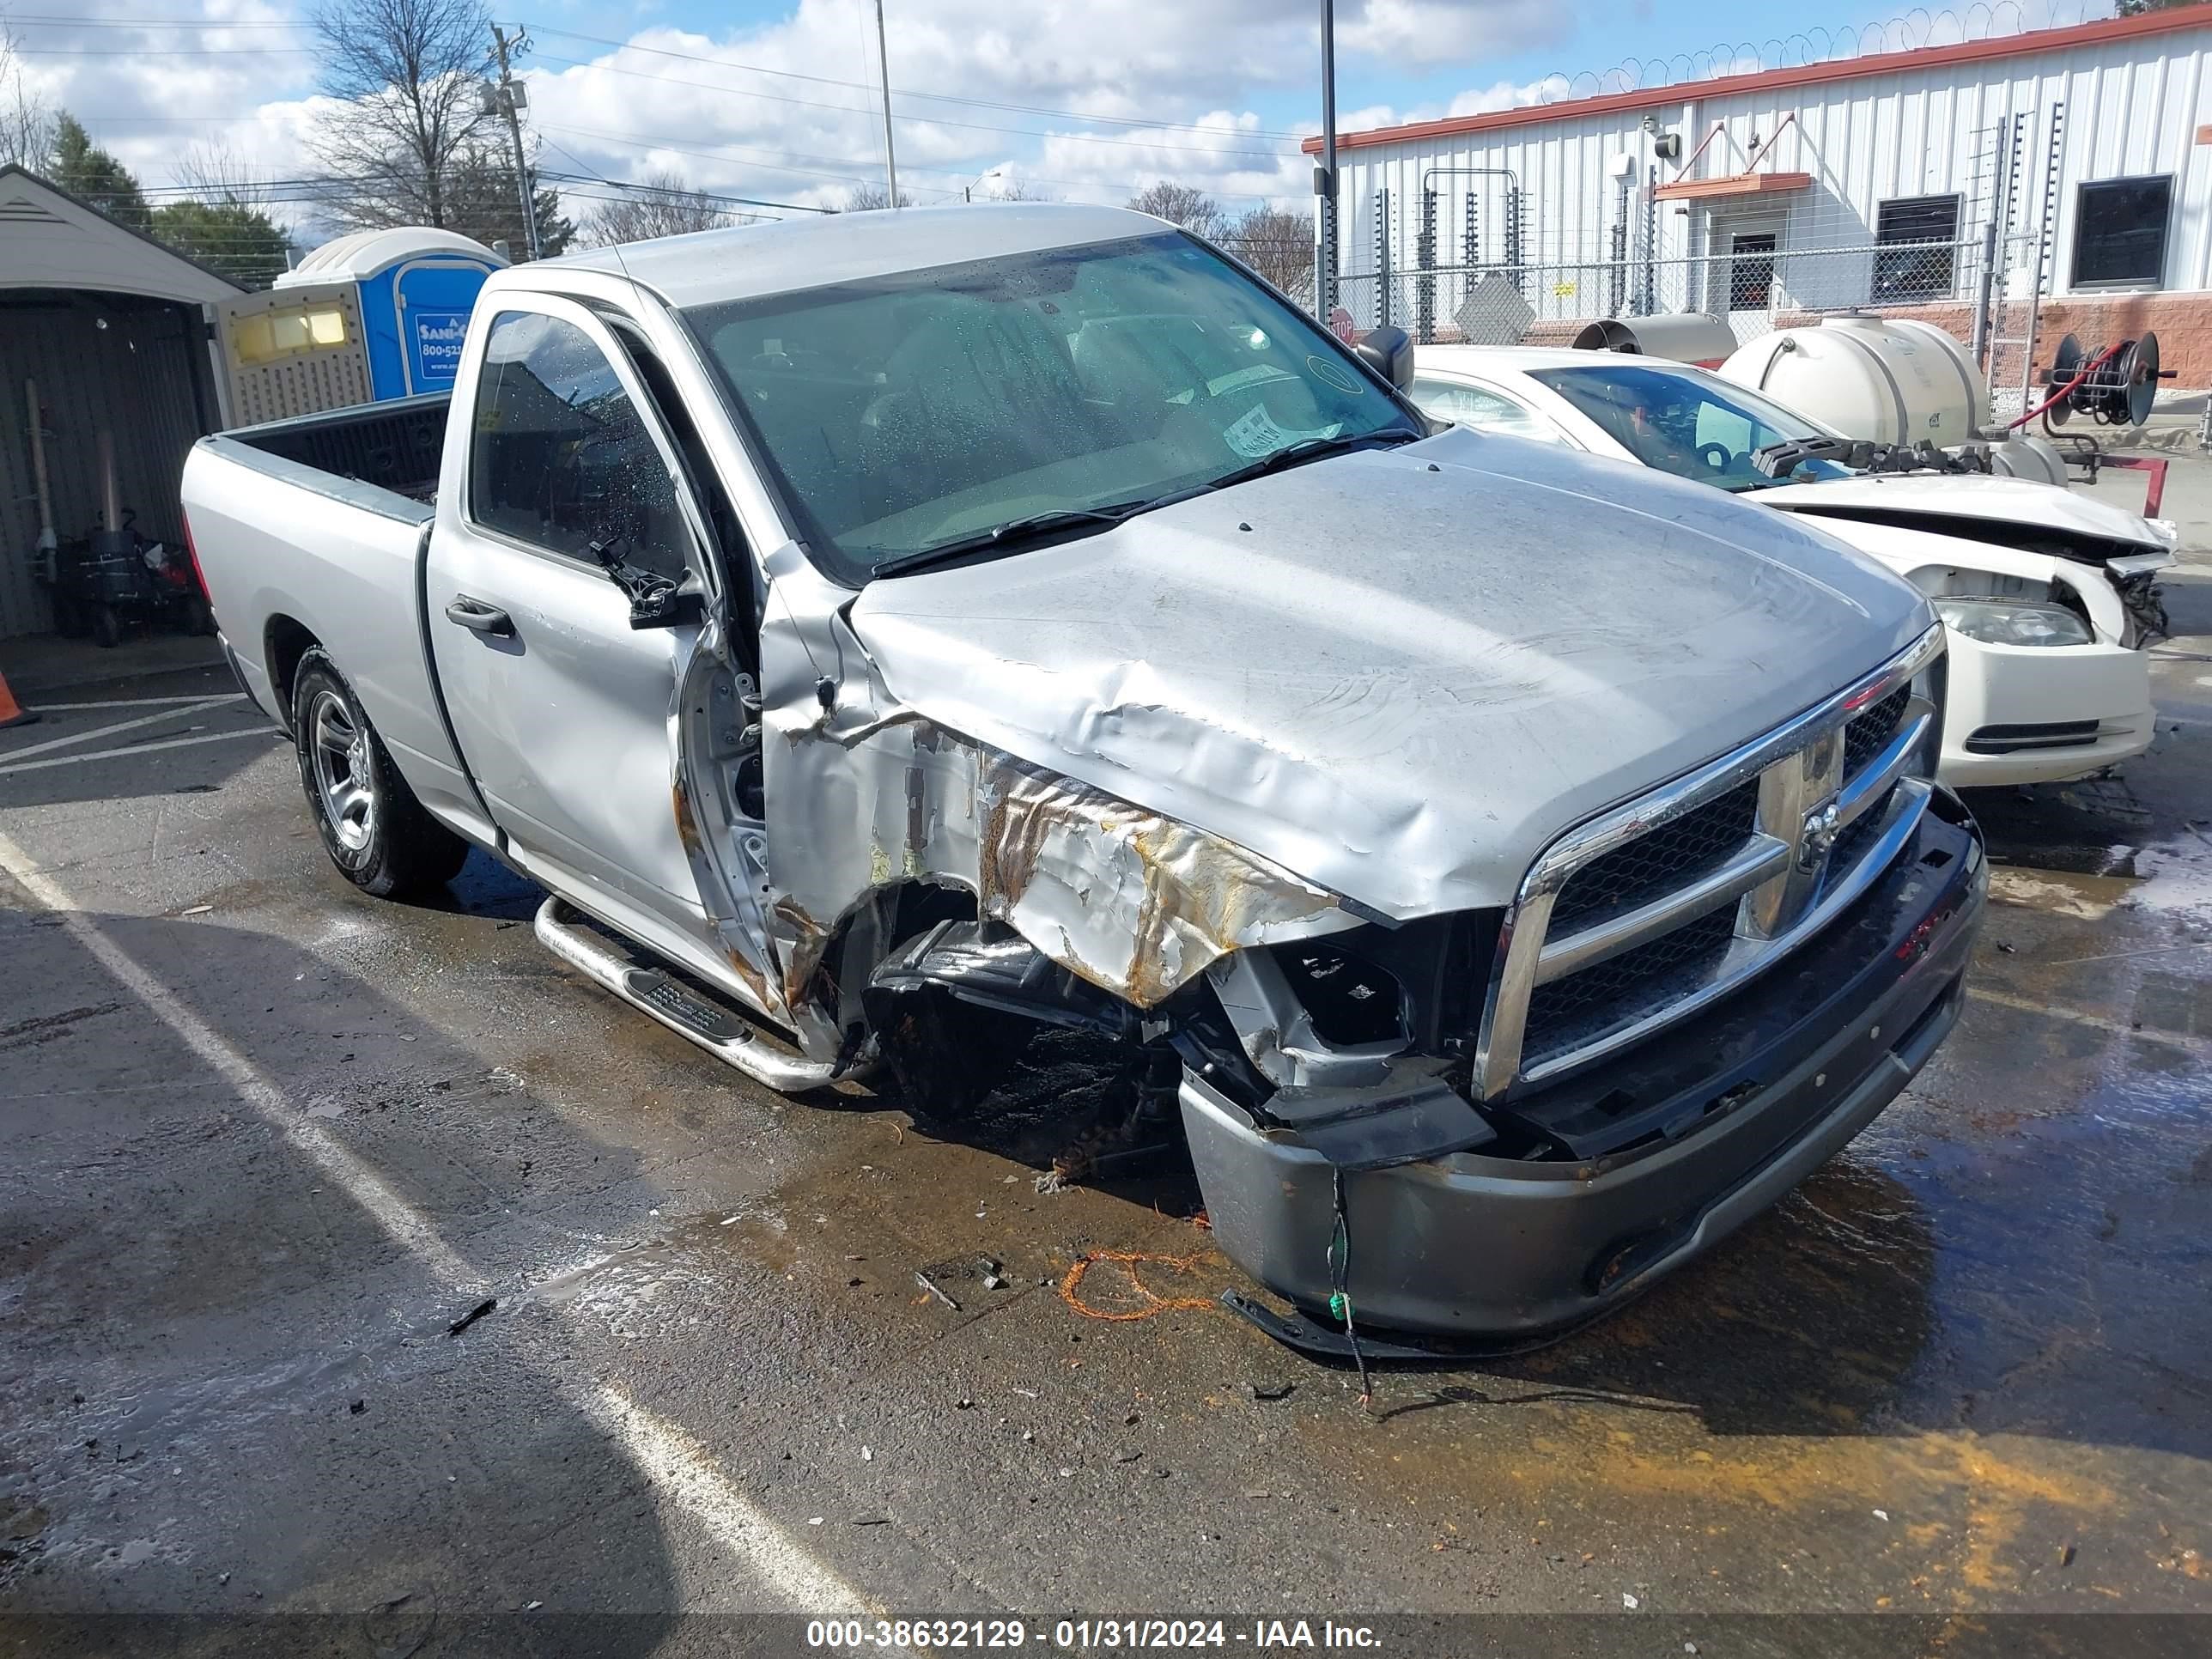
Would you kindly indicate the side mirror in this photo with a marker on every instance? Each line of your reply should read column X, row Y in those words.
column 663, row 604
column 1389, row 353
column 655, row 601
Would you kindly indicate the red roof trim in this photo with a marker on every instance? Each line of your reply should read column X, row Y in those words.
column 1849, row 69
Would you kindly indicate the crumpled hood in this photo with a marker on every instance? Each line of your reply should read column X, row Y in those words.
column 1397, row 674
column 1969, row 498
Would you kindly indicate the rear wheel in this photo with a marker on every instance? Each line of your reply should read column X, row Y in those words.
column 374, row 829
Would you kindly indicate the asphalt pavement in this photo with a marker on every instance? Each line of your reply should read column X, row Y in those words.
column 370, row 1284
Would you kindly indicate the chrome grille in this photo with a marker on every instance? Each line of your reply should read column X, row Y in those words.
column 1869, row 733
column 1658, row 862
column 1653, row 910
column 1615, row 984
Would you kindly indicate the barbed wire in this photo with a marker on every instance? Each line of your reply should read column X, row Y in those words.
column 1916, row 28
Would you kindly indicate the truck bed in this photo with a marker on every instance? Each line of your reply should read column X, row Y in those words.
column 394, row 446
column 312, row 530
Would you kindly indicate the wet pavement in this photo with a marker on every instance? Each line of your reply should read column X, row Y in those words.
column 270, row 1142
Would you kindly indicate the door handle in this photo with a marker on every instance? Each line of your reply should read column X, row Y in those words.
column 482, row 618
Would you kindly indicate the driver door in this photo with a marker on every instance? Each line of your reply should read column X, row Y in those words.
column 565, row 712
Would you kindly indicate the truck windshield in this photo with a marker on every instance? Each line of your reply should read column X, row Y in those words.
column 1686, row 423
column 1024, row 394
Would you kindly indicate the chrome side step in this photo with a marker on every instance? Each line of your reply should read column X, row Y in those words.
column 655, row 992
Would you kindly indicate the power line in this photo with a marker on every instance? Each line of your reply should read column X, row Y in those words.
column 645, row 141
column 902, row 92
column 164, row 52
column 932, row 120
column 47, row 20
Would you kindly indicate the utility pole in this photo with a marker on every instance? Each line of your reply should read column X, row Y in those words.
column 509, row 98
column 884, row 65
column 1324, row 174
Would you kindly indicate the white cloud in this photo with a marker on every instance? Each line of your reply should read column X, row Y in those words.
column 1424, row 32
column 1194, row 63
column 787, row 112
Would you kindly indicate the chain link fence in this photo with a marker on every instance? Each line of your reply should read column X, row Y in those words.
column 1755, row 292
column 1979, row 291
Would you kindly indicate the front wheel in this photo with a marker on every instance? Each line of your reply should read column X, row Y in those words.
column 375, row 831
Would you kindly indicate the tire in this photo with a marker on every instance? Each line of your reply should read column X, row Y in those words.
column 375, row 831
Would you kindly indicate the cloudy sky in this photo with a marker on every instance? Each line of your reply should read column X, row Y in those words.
column 1084, row 99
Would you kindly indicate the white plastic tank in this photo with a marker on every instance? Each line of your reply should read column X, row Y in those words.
column 1887, row 380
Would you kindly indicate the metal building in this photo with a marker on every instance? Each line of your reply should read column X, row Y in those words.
column 103, row 350
column 2009, row 188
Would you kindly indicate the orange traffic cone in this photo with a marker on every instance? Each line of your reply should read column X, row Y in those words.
column 11, row 712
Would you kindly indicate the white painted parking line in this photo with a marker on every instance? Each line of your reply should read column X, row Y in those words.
column 2182, row 1040
column 109, row 731
column 140, row 749
column 408, row 1227
column 680, row 1469
column 131, row 702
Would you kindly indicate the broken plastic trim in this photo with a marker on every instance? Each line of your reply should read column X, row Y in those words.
column 952, row 1008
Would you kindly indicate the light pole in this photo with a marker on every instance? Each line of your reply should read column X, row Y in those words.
column 968, row 190
column 1324, row 174
column 884, row 65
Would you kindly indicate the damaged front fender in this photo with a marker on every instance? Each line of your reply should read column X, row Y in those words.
column 868, row 801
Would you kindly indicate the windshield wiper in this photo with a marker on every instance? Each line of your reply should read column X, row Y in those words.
column 1011, row 535
column 1293, row 454
column 1778, row 461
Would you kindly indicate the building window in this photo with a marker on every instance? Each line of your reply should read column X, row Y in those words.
column 2119, row 233
column 1751, row 271
column 1922, row 273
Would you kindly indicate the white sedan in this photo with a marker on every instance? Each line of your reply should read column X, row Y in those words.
column 2050, row 595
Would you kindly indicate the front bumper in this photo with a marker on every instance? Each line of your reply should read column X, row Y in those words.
column 2020, row 686
column 1786, row 1072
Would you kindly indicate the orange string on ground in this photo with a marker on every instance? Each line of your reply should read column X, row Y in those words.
column 1155, row 1303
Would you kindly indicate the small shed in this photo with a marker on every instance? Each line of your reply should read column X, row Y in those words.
column 415, row 288
column 102, row 330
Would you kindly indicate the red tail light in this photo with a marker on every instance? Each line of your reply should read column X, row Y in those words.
column 193, row 554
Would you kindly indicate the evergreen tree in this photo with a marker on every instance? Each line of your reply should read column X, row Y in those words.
column 92, row 175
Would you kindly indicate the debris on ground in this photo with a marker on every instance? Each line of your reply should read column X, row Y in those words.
column 472, row 1316
column 1154, row 1303
column 931, row 1285
column 1280, row 1390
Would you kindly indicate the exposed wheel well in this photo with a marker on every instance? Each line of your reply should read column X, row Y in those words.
column 284, row 643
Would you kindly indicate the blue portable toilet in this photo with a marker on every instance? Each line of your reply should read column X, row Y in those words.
column 414, row 288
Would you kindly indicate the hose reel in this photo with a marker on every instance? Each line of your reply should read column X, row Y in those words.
column 2113, row 387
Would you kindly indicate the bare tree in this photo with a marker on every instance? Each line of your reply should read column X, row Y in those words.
column 664, row 206
column 1014, row 190
column 1280, row 246
column 868, row 198
column 408, row 72
column 27, row 126
column 1185, row 205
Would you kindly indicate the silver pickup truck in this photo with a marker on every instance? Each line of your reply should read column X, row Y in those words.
column 889, row 636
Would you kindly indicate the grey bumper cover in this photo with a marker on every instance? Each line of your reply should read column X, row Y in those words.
column 1496, row 1248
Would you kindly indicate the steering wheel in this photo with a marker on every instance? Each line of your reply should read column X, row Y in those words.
column 1719, row 457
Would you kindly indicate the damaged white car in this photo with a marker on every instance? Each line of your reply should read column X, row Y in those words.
column 2051, row 596
column 888, row 636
